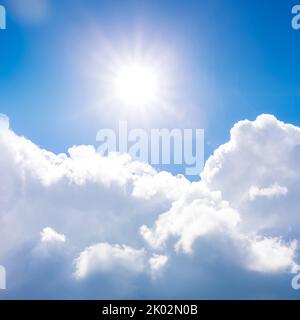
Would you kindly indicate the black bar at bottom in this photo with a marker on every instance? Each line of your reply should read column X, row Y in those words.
column 163, row 309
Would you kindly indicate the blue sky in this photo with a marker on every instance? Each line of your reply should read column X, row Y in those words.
column 95, row 222
column 233, row 60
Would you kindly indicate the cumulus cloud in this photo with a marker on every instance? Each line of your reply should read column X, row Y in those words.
column 260, row 153
column 48, row 235
column 221, row 204
column 90, row 197
column 271, row 255
column 154, row 186
column 197, row 214
column 104, row 257
column 244, row 209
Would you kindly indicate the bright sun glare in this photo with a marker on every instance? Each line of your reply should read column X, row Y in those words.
column 136, row 85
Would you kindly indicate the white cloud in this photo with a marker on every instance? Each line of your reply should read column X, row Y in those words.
column 196, row 214
column 154, row 186
column 105, row 200
column 271, row 255
column 157, row 262
column 258, row 153
column 48, row 235
column 104, row 257
column 85, row 195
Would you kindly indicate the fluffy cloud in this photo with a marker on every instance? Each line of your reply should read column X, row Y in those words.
column 243, row 213
column 264, row 153
column 104, row 257
column 226, row 202
column 271, row 255
column 87, row 196
column 48, row 235
column 198, row 213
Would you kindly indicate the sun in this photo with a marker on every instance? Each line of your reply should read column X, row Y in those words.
column 131, row 81
column 136, row 84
